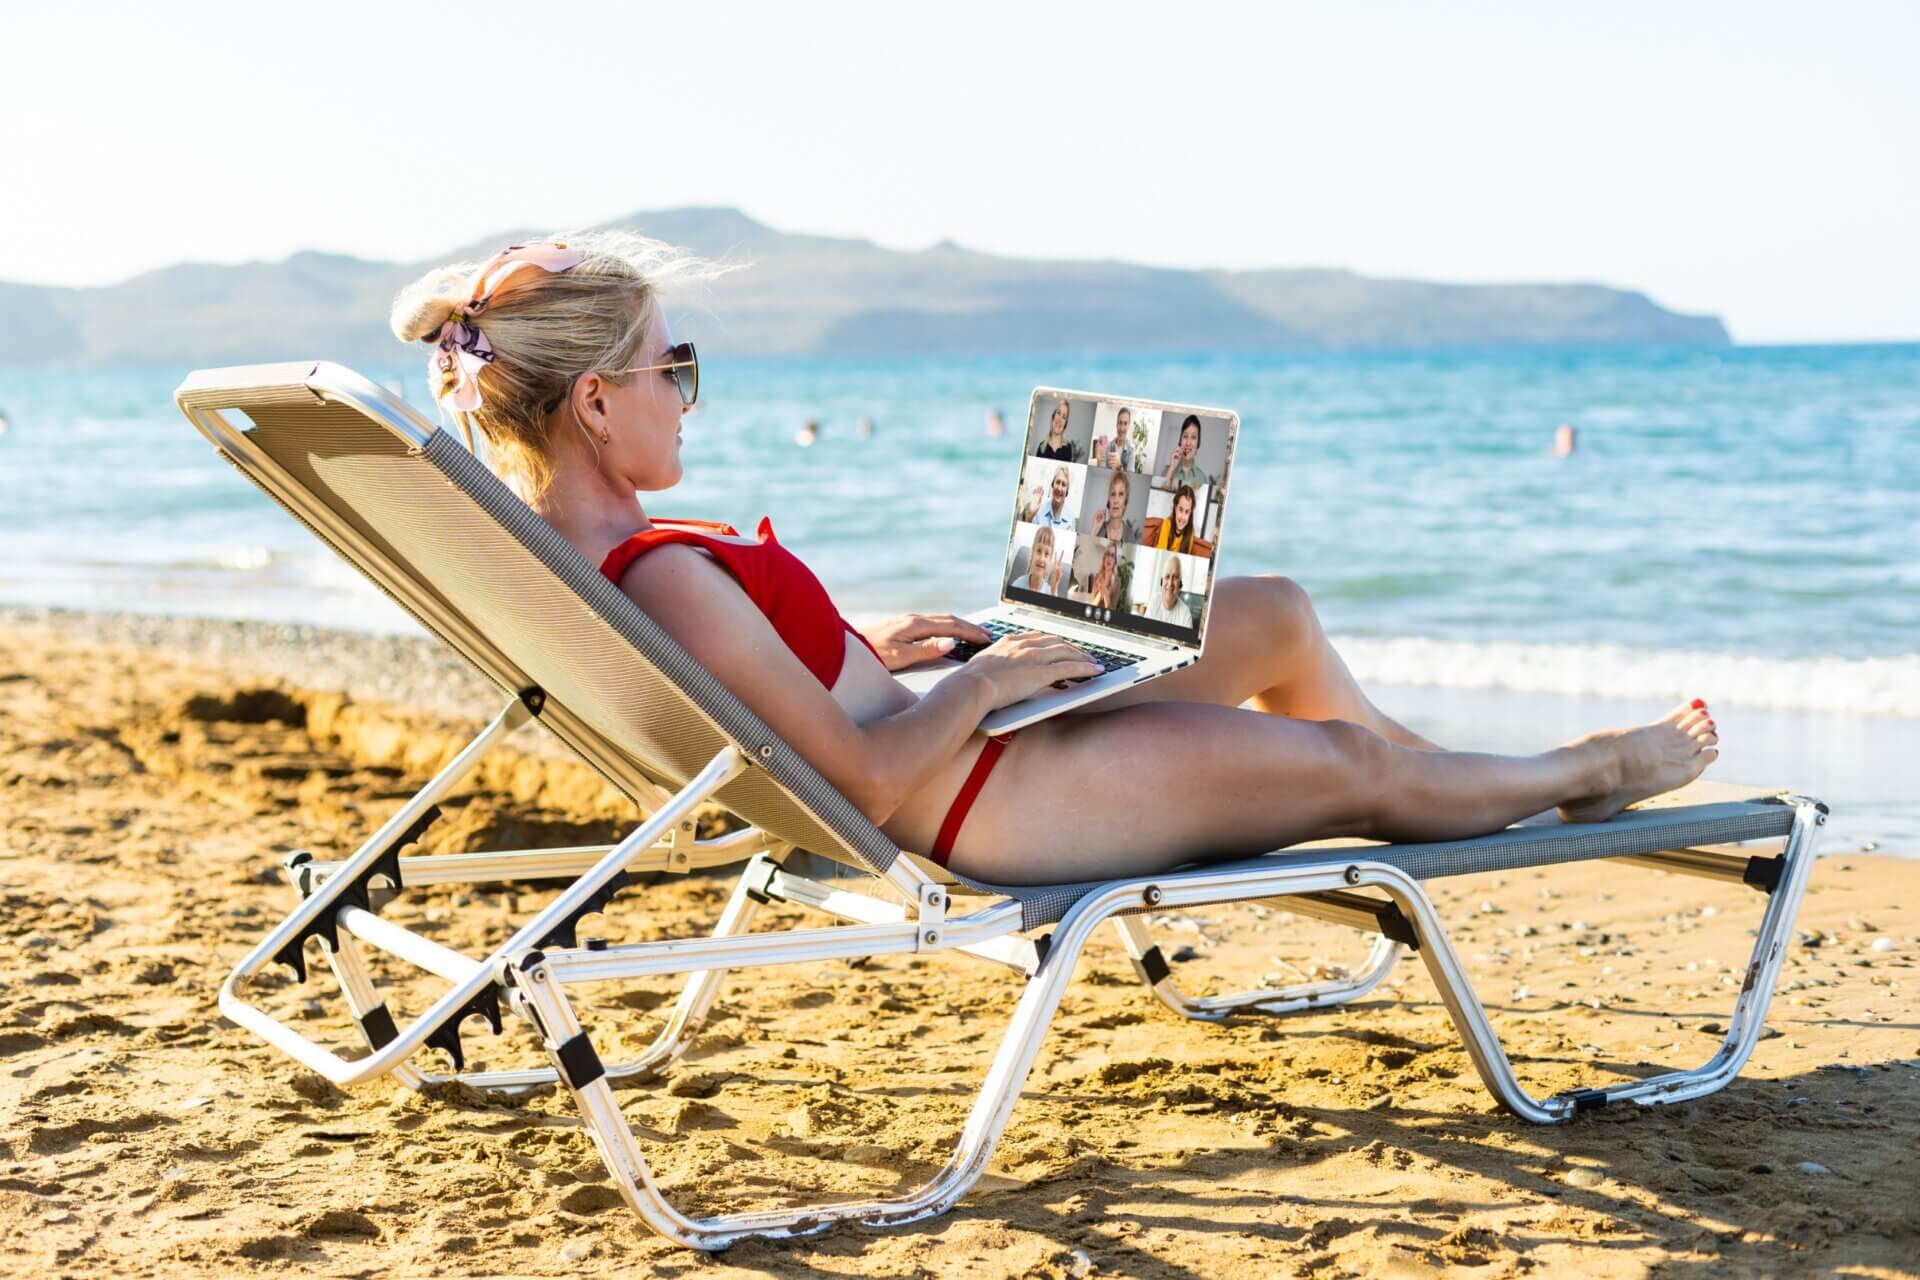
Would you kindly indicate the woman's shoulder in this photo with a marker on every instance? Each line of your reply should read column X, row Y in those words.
column 662, row 564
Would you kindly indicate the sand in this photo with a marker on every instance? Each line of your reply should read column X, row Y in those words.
column 155, row 773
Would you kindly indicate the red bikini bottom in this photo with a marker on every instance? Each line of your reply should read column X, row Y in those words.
column 969, row 790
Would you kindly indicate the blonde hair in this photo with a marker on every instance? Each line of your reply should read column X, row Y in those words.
column 545, row 331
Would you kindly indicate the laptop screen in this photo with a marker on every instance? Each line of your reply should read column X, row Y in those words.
column 1118, row 514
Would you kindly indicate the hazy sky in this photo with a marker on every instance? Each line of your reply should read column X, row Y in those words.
column 1757, row 160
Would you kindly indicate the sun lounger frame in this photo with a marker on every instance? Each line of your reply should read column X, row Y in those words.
column 1375, row 888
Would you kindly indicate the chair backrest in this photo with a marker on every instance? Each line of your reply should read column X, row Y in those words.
column 412, row 509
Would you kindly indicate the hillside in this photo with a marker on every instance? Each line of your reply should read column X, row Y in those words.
column 804, row 294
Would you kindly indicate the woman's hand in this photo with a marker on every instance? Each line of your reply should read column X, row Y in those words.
column 920, row 637
column 1053, row 576
column 1016, row 667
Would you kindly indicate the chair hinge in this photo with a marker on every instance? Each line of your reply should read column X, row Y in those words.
column 1585, row 1099
column 679, row 844
column 931, row 923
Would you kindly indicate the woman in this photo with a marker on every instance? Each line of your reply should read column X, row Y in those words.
column 1044, row 568
column 1056, row 445
column 1180, row 467
column 1107, row 588
column 1176, row 531
column 1166, row 604
column 559, row 355
column 1111, row 521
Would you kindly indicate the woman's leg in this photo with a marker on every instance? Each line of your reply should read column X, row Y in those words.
column 1265, row 645
column 1194, row 780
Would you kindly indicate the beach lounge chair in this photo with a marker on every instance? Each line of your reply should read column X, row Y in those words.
column 415, row 511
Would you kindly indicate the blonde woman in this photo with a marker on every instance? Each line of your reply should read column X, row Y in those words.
column 1111, row 520
column 559, row 357
column 1108, row 589
column 1055, row 445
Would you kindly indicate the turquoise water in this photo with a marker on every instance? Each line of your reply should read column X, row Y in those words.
column 1741, row 523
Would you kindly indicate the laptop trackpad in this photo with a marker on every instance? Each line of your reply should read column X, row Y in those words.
column 921, row 678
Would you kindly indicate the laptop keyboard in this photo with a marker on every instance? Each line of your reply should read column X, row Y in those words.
column 1109, row 659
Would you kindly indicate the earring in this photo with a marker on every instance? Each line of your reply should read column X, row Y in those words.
column 604, row 437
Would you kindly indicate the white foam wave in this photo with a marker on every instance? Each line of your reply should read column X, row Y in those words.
column 243, row 558
column 1854, row 686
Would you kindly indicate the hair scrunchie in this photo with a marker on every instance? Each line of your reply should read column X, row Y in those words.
column 462, row 349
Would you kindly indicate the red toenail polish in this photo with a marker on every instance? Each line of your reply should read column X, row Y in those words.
column 1698, row 704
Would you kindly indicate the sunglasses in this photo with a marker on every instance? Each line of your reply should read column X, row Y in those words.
column 683, row 366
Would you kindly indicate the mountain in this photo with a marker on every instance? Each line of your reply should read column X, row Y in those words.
column 807, row 294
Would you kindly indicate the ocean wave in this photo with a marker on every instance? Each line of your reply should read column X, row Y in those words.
column 1854, row 686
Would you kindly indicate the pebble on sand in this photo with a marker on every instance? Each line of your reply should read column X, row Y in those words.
column 1883, row 944
column 1812, row 1166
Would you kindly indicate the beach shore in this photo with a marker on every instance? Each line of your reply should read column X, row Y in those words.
column 155, row 772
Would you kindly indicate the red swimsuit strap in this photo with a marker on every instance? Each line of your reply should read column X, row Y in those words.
column 775, row 579
column 689, row 532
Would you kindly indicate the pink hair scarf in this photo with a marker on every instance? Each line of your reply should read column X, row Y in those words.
column 462, row 349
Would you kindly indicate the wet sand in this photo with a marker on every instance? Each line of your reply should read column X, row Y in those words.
column 154, row 774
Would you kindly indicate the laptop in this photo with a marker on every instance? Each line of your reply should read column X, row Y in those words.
column 1104, row 481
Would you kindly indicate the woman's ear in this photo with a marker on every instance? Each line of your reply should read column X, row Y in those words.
column 590, row 400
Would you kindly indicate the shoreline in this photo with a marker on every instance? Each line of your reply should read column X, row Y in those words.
column 151, row 793
column 1858, row 764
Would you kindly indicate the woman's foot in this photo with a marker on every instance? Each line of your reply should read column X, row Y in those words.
column 1649, row 760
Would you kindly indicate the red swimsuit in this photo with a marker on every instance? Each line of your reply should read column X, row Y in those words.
column 800, row 610
column 774, row 579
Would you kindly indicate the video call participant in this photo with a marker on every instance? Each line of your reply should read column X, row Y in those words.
column 1108, row 590
column 1165, row 605
column 1180, row 465
column 1176, row 531
column 1114, row 451
column 1055, row 444
column 1050, row 510
column 1045, row 569
column 1113, row 522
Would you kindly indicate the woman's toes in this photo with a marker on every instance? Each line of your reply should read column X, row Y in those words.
column 1693, row 718
column 1680, row 713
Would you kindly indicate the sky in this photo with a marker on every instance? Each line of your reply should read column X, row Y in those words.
column 1752, row 160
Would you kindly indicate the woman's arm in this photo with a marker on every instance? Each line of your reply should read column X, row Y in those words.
column 877, row 765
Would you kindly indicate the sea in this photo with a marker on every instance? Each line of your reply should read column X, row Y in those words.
column 1739, row 524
